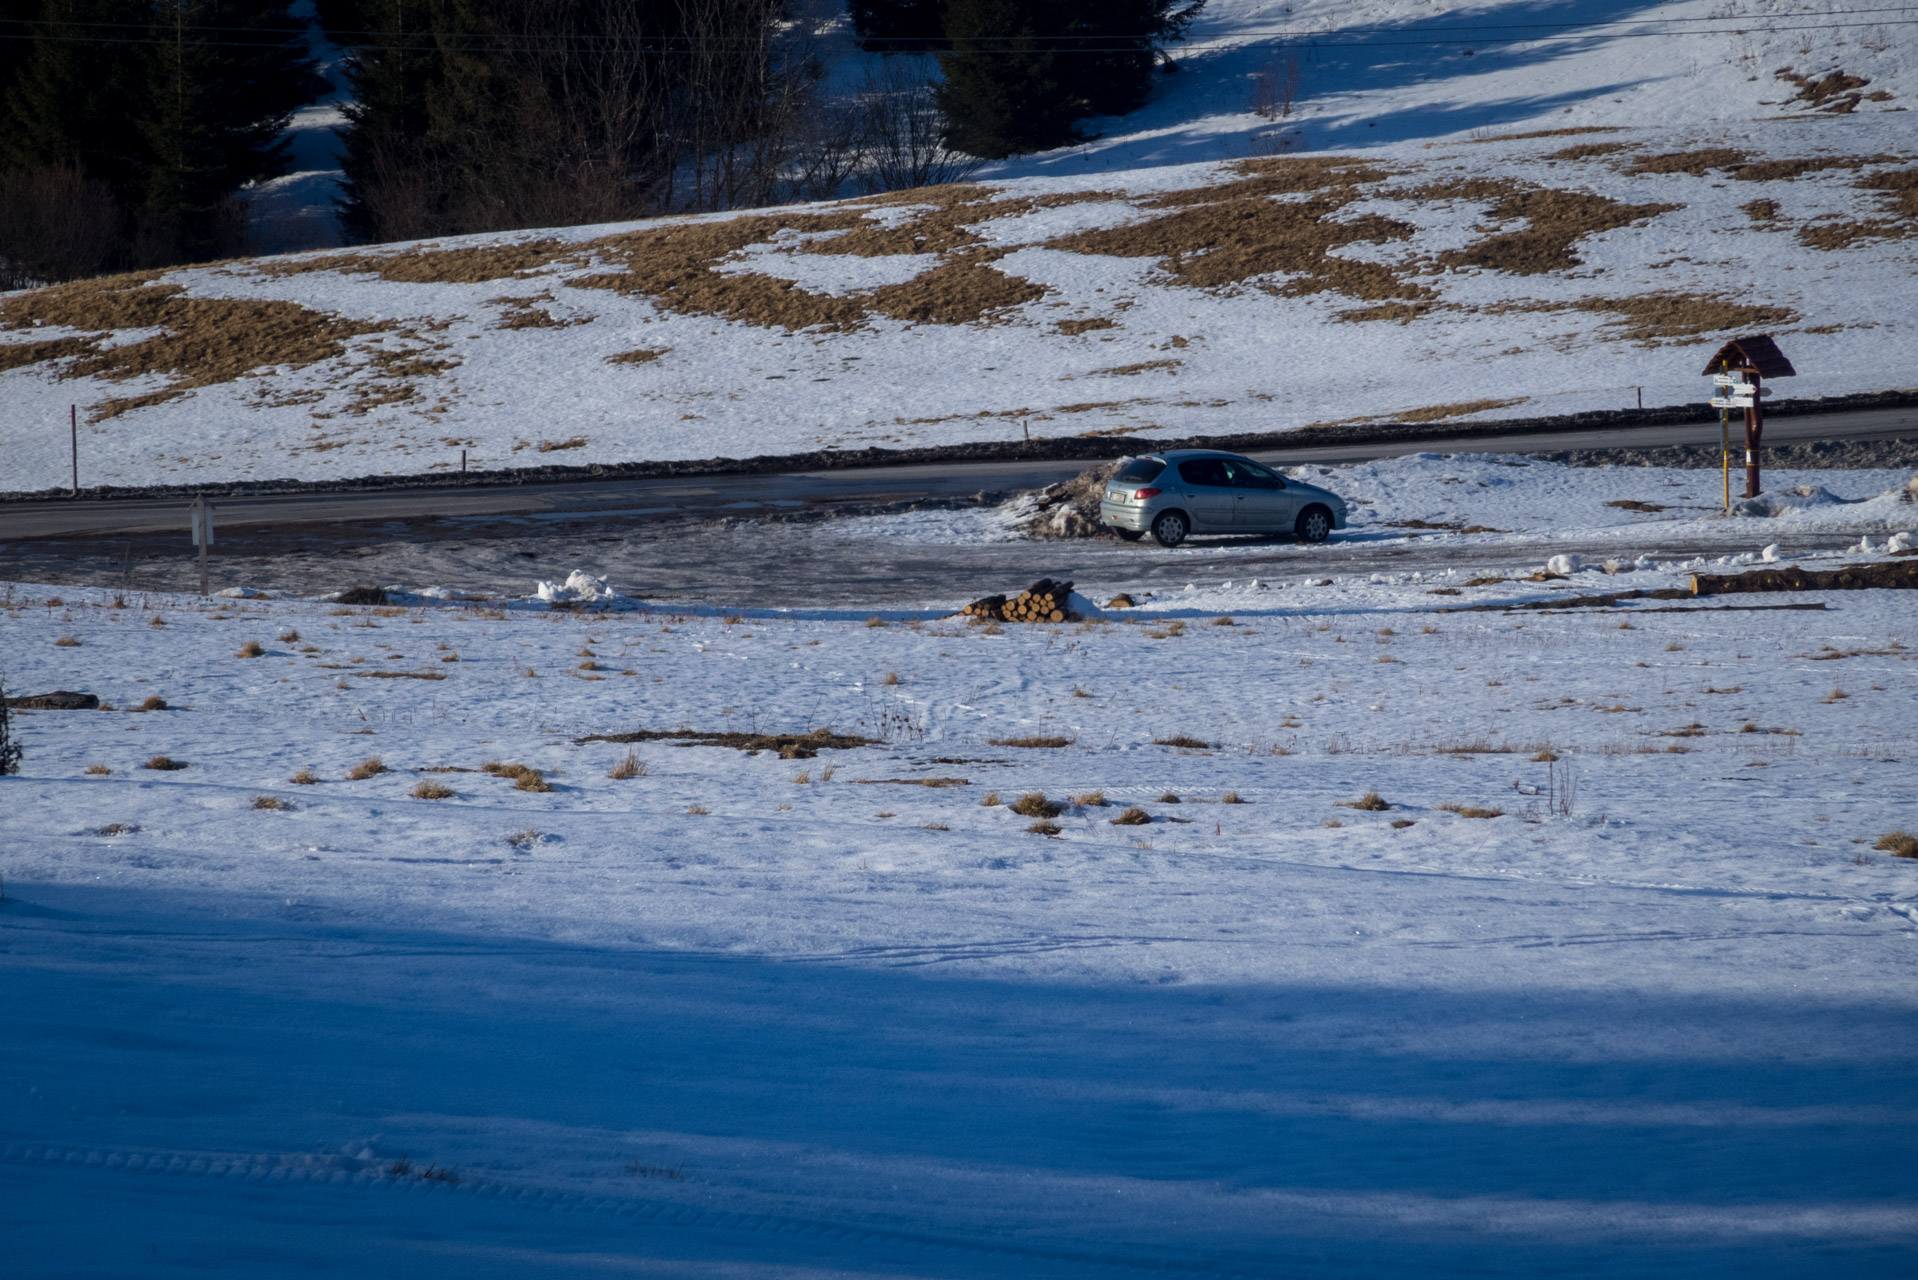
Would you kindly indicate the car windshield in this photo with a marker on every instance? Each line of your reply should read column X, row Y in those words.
column 1206, row 471
column 1140, row 471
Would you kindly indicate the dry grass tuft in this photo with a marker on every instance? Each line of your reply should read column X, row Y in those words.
column 1132, row 817
column 1037, row 742
column 697, row 810
column 251, row 649
column 1044, row 828
column 154, row 702
column 1899, row 844
column 429, row 790
column 1233, row 797
column 875, row 621
column 165, row 764
column 1034, row 804
column 891, row 678
column 304, row 778
column 370, row 767
column 628, row 766
column 1170, row 797
column 525, row 840
column 98, row 770
column 1184, row 742
column 1091, row 799
column 270, row 802
column 1547, row 756
column 1471, row 811
column 1370, row 802
column 1400, row 824
column 1331, row 822
column 991, row 800
column 1695, row 163
column 290, row 637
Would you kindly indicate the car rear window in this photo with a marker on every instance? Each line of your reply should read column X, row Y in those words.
column 1140, row 471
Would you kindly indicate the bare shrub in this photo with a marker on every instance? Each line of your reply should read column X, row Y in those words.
column 1033, row 804
column 803, row 778
column 892, row 677
column 98, row 770
column 1091, row 799
column 1044, row 827
column 429, row 790
column 270, row 802
column 165, row 764
column 1370, row 802
column 1132, row 817
column 367, row 768
column 1899, row 844
column 1275, row 86
column 628, row 766
column 251, row 649
column 304, row 778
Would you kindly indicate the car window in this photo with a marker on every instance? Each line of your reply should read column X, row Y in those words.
column 1140, row 471
column 1207, row 471
column 1250, row 475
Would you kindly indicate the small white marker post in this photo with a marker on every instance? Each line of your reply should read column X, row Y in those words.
column 202, row 534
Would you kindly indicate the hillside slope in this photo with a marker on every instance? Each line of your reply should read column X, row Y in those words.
column 1544, row 269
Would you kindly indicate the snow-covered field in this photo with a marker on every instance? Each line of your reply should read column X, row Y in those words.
column 847, row 1013
column 1436, row 233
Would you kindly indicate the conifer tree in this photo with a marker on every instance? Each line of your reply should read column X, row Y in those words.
column 899, row 26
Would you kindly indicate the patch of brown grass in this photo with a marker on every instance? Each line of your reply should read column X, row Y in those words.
column 1370, row 802
column 429, row 790
column 202, row 341
column 1170, row 797
column 164, row 764
column 1899, row 844
column 1785, row 170
column 370, row 767
column 554, row 446
column 1184, row 741
column 270, row 802
column 67, row 642
column 1132, row 817
column 1549, row 133
column 251, row 649
column 1233, row 797
column 1695, row 163
column 645, row 355
column 991, row 800
column 1033, row 804
column 1044, row 827
column 1035, row 742
column 1438, row 412
column 628, row 766
column 1091, row 799
column 1471, row 811
column 1073, row 328
column 1590, row 151
column 304, row 778
column 1556, row 221
column 97, row 771
column 430, row 265
column 1900, row 207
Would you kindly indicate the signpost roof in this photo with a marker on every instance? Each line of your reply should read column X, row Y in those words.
column 1755, row 351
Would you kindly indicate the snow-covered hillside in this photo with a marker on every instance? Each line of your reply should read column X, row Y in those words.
column 1536, row 228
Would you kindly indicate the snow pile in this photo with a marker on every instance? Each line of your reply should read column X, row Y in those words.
column 580, row 587
column 1783, row 502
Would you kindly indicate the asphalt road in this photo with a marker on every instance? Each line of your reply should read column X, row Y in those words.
column 678, row 497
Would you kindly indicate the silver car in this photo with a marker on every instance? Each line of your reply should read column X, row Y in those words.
column 1183, row 491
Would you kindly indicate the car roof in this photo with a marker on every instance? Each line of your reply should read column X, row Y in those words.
column 1175, row 455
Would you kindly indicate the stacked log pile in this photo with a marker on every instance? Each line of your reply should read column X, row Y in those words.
column 1043, row 601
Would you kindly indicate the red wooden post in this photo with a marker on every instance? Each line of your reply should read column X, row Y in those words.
column 73, row 423
column 1754, row 433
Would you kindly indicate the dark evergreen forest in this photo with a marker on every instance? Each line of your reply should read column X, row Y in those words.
column 131, row 130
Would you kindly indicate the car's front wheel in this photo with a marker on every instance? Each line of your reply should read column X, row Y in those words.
column 1314, row 525
column 1130, row 535
column 1170, row 528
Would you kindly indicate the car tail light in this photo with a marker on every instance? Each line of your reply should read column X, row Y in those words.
column 1140, row 495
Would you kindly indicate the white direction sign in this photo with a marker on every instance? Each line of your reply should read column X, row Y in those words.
column 1733, row 402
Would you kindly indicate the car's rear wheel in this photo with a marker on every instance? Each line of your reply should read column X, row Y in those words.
column 1314, row 525
column 1170, row 528
column 1130, row 535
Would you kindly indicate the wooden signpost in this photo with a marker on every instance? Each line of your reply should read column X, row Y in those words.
column 202, row 533
column 1738, row 372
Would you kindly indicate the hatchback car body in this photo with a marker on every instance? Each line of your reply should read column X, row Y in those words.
column 1185, row 491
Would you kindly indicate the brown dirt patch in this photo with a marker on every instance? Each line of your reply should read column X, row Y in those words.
column 205, row 341
column 435, row 266
column 1761, row 210
column 1785, row 170
column 1071, row 328
column 1900, row 205
column 1439, row 412
column 1397, row 312
column 1681, row 318
column 790, row 746
column 645, row 355
column 1558, row 219
column 1458, row 189
column 959, row 292
column 1695, row 163
column 1144, row 366
column 17, row 355
column 1590, row 150
column 1836, row 93
column 1550, row 133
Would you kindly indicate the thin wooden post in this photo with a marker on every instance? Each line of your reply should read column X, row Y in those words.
column 202, row 515
column 73, row 422
column 1754, row 434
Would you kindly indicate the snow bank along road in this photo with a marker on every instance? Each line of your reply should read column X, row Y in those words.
column 1641, row 1009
